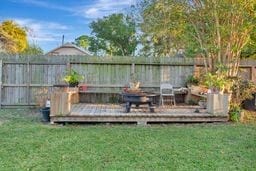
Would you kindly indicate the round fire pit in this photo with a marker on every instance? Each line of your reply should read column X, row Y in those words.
column 138, row 99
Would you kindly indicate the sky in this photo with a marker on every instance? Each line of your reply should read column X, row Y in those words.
column 48, row 20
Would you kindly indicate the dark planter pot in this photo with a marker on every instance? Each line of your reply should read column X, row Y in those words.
column 250, row 104
column 46, row 114
column 73, row 84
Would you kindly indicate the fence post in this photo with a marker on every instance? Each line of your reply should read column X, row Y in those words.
column 132, row 74
column 1, row 72
column 133, row 68
column 28, row 81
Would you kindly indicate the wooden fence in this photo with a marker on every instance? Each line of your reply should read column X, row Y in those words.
column 24, row 80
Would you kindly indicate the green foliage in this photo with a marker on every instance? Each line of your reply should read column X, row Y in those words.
column 219, row 80
column 97, row 46
column 213, row 81
column 249, row 51
column 114, row 34
column 192, row 102
column 83, row 41
column 13, row 38
column 235, row 113
column 242, row 90
column 33, row 49
column 73, row 77
column 162, row 27
column 217, row 31
column 191, row 79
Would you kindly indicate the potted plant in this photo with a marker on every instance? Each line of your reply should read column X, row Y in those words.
column 218, row 96
column 216, row 83
column 73, row 78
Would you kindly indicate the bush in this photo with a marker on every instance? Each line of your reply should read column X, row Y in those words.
column 235, row 113
column 242, row 90
column 192, row 80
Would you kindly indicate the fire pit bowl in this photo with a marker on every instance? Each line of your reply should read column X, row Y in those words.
column 135, row 98
column 138, row 99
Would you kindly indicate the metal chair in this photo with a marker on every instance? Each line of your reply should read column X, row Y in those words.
column 166, row 90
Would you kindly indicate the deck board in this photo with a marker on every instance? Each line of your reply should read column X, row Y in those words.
column 83, row 112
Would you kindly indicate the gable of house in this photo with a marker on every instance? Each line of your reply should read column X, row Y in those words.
column 67, row 49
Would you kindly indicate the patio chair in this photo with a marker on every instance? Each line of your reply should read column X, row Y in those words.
column 166, row 90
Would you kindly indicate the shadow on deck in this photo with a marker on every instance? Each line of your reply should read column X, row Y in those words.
column 114, row 113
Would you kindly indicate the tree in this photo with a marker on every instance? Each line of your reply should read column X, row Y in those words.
column 98, row 46
column 215, row 30
column 92, row 44
column 114, row 34
column 162, row 27
column 33, row 49
column 13, row 38
column 83, row 41
column 249, row 51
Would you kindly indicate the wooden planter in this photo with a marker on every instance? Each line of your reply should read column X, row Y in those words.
column 61, row 101
column 218, row 104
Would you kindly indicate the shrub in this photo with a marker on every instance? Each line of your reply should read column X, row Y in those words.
column 235, row 112
column 192, row 80
column 242, row 90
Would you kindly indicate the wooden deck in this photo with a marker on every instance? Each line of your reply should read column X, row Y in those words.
column 111, row 113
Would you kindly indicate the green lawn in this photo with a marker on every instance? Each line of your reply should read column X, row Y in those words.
column 28, row 144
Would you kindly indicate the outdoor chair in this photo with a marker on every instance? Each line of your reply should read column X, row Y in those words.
column 166, row 90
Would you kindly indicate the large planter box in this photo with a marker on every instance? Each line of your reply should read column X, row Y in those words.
column 61, row 102
column 218, row 104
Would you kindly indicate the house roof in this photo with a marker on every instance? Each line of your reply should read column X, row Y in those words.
column 69, row 45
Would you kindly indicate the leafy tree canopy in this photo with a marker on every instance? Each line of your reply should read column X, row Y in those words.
column 249, row 51
column 114, row 34
column 215, row 30
column 13, row 38
column 83, row 41
column 162, row 27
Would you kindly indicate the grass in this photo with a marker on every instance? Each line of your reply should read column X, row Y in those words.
column 28, row 144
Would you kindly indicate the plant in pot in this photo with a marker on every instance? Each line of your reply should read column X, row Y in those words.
column 73, row 78
column 218, row 83
column 218, row 97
